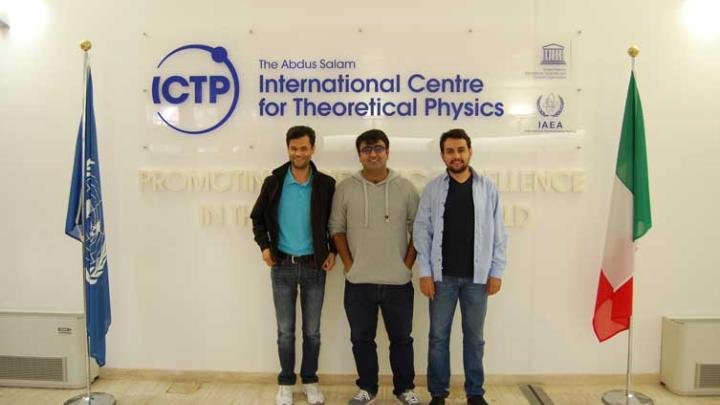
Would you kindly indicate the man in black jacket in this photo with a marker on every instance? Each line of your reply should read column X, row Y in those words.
column 290, row 219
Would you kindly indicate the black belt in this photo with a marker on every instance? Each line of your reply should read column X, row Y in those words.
column 286, row 258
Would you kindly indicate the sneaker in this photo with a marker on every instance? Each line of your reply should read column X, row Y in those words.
column 362, row 398
column 313, row 394
column 284, row 395
column 437, row 401
column 408, row 398
column 477, row 400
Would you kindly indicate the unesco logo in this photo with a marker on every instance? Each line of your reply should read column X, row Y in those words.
column 209, row 89
column 553, row 54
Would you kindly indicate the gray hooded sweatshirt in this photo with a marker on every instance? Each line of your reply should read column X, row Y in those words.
column 377, row 219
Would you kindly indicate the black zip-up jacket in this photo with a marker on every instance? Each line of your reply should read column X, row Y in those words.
column 264, row 214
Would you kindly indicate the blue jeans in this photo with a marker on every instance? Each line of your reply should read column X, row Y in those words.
column 286, row 278
column 473, row 306
column 362, row 302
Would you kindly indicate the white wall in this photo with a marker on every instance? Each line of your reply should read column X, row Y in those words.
column 192, row 297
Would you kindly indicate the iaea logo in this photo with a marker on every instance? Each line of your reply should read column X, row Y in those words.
column 176, row 89
column 550, row 105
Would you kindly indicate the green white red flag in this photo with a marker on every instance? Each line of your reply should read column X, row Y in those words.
column 629, row 220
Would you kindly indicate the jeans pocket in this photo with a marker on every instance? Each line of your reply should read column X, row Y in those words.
column 348, row 295
column 314, row 275
column 280, row 273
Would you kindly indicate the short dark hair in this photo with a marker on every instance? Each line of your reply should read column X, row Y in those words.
column 298, row 132
column 457, row 133
column 370, row 137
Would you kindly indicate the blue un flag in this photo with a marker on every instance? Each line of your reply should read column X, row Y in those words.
column 84, row 222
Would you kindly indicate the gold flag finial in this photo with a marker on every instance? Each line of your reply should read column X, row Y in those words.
column 85, row 45
column 633, row 51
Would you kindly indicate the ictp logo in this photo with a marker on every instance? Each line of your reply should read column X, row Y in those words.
column 178, row 89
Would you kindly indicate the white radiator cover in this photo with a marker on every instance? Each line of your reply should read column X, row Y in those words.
column 43, row 349
column 690, row 357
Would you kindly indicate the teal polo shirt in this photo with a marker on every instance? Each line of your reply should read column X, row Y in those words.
column 294, row 216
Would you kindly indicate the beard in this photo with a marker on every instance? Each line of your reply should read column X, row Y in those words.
column 455, row 170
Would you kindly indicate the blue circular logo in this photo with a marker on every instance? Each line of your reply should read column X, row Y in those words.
column 217, row 86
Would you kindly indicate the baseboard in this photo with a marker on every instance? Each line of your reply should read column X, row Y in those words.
column 349, row 379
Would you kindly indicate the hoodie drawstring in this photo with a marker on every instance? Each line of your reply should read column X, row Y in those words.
column 367, row 215
column 391, row 176
column 387, row 207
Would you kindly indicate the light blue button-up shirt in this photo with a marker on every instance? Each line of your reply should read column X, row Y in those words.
column 490, row 254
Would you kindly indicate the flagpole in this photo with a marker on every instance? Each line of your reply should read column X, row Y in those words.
column 628, row 376
column 85, row 46
column 627, row 396
column 89, row 397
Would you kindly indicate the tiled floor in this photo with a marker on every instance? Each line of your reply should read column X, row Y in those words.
column 149, row 392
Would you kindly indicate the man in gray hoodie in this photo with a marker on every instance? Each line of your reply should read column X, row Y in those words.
column 371, row 223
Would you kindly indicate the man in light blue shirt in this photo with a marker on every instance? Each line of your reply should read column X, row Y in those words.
column 461, row 243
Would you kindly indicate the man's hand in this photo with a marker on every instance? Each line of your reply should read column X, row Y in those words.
column 329, row 262
column 267, row 257
column 427, row 286
column 343, row 249
column 409, row 263
column 493, row 285
column 347, row 264
column 410, row 256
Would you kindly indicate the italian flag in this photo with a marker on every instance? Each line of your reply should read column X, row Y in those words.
column 629, row 220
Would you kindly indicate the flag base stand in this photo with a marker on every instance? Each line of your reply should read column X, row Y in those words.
column 95, row 398
column 622, row 397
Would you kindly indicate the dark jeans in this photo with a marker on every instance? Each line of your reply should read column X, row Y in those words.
column 362, row 302
column 473, row 306
column 286, row 278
